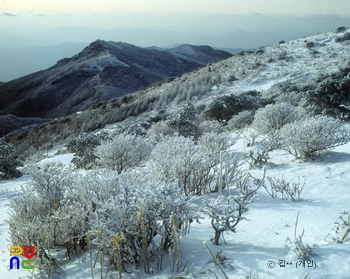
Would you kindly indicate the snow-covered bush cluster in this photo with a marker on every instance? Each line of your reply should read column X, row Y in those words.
column 145, row 214
column 50, row 212
column 188, row 163
column 60, row 209
column 241, row 120
column 288, row 128
column 184, row 90
column 123, row 152
column 312, row 136
column 186, row 122
column 273, row 117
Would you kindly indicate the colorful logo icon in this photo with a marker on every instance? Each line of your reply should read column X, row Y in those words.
column 17, row 251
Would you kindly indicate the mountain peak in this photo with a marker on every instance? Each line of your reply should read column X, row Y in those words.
column 101, row 71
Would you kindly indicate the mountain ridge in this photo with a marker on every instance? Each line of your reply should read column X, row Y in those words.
column 101, row 71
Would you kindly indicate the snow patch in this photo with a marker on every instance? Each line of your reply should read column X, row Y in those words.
column 103, row 62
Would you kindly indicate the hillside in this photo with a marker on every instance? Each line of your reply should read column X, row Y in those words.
column 102, row 71
column 291, row 72
column 239, row 169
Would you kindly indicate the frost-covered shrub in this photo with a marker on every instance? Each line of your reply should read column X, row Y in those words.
column 159, row 130
column 130, row 217
column 196, row 87
column 288, row 190
column 8, row 162
column 258, row 157
column 273, row 117
column 225, row 165
column 292, row 97
column 212, row 143
column 227, row 212
column 184, row 90
column 241, row 120
column 330, row 94
column 343, row 38
column 208, row 126
column 47, row 213
column 341, row 230
column 340, row 29
column 215, row 110
column 299, row 249
column 180, row 159
column 122, row 152
column 313, row 136
column 128, row 223
column 223, row 108
column 310, row 44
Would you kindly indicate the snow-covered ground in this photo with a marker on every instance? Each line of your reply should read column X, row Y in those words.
column 259, row 243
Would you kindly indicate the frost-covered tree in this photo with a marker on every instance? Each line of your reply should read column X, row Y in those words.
column 8, row 162
column 313, row 136
column 223, row 108
column 122, row 152
column 83, row 147
column 185, row 122
column 273, row 117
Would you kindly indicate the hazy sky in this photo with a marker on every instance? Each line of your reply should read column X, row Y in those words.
column 201, row 17
column 171, row 7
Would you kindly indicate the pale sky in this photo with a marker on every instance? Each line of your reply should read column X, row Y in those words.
column 171, row 7
column 27, row 18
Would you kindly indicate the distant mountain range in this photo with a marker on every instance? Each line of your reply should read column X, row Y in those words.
column 101, row 71
column 24, row 54
column 142, row 37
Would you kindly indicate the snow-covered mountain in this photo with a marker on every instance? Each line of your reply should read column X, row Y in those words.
column 288, row 70
column 101, row 71
column 283, row 235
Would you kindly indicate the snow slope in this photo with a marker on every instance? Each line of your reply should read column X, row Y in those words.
column 257, row 242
